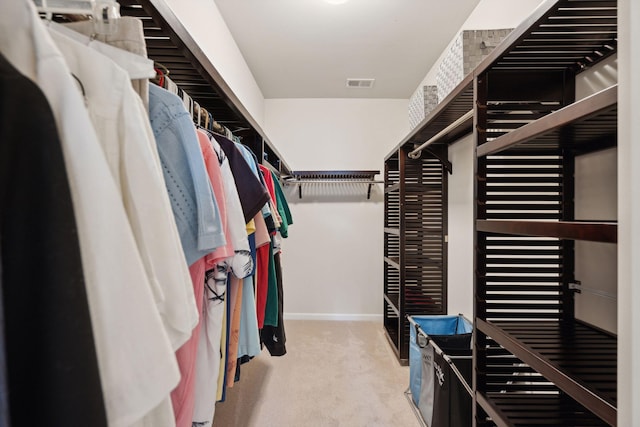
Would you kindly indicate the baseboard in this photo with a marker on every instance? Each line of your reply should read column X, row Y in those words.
column 334, row 316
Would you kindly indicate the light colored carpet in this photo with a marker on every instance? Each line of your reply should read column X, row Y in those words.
column 335, row 374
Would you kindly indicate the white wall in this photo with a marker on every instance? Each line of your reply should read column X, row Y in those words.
column 596, row 263
column 597, row 78
column 332, row 261
column 595, row 199
column 460, row 250
column 629, row 215
column 203, row 21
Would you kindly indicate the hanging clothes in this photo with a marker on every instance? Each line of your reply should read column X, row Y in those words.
column 168, row 227
column 274, row 337
column 234, row 328
column 51, row 356
column 262, row 278
column 214, row 173
column 283, row 207
column 249, row 337
column 118, row 289
column 192, row 200
column 208, row 353
column 273, row 333
column 4, row 387
column 241, row 264
column 271, row 306
column 124, row 132
column 252, row 194
column 198, row 217
column 129, row 36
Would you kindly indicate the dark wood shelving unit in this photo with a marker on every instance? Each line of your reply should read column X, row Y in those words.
column 577, row 230
column 170, row 44
column 591, row 123
column 534, row 362
column 414, row 243
column 526, row 410
column 416, row 206
column 581, row 359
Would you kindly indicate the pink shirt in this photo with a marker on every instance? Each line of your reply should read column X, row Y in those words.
column 182, row 397
column 214, row 171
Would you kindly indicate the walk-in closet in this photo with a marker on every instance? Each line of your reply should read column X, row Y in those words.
column 346, row 213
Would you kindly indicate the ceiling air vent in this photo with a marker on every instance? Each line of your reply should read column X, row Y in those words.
column 361, row 83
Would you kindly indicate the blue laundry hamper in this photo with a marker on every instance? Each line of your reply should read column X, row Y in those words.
column 440, row 364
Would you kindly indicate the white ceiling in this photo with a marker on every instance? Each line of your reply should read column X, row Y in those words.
column 308, row 48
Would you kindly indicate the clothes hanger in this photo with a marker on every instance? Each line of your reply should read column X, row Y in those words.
column 210, row 122
column 205, row 115
column 137, row 66
column 197, row 113
column 104, row 13
column 161, row 75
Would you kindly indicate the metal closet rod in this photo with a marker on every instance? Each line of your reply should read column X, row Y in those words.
column 332, row 181
column 416, row 151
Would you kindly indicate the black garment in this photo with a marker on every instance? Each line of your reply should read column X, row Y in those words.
column 274, row 337
column 4, row 395
column 253, row 195
column 53, row 375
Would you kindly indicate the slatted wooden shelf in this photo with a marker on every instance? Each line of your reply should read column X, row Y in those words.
column 578, row 230
column 526, row 410
column 559, row 35
column 586, row 125
column 580, row 360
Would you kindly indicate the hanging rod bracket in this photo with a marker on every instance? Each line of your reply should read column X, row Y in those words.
column 461, row 120
column 445, row 162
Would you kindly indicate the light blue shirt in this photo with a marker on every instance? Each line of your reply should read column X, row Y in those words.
column 192, row 200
